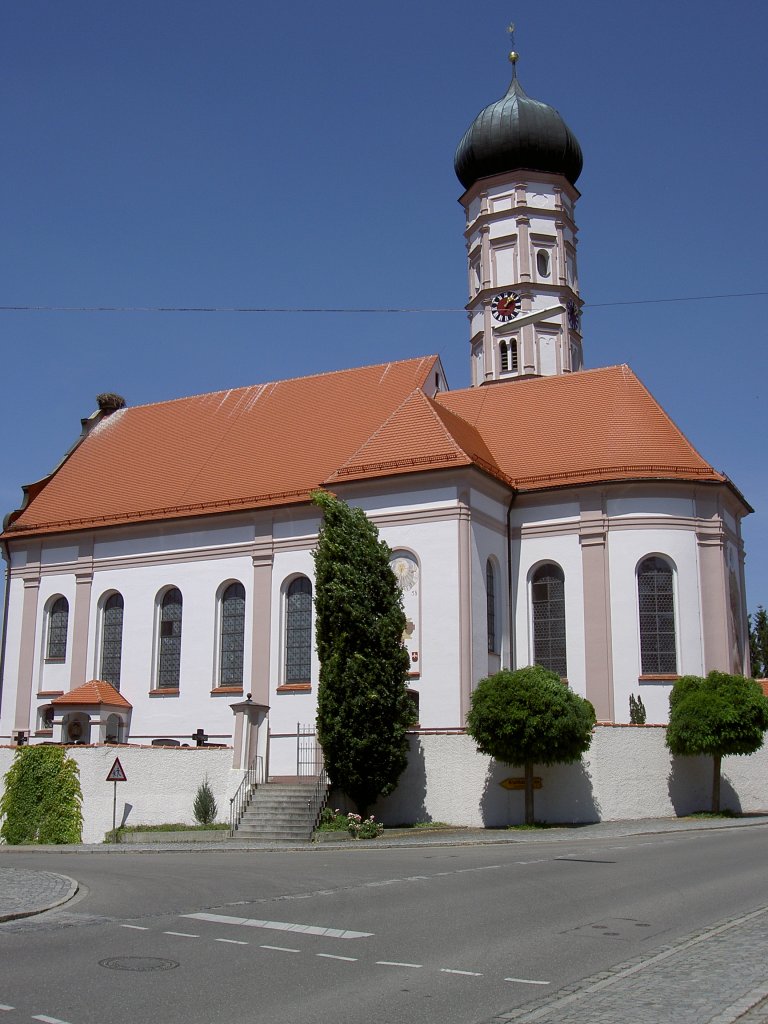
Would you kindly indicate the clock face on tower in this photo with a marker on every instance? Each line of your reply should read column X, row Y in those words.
column 505, row 306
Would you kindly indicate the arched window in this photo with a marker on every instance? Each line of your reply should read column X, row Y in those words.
column 542, row 262
column 169, row 647
column 58, row 621
column 504, row 356
column 656, row 606
column 548, row 603
column 298, row 631
column 232, row 635
column 490, row 606
column 112, row 640
column 45, row 715
column 513, row 362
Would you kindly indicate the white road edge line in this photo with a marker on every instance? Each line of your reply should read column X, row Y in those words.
column 183, row 935
column 280, row 926
column 332, row 956
column 137, row 927
column 469, row 974
column 527, row 981
column 396, row 963
column 234, row 942
column 281, row 949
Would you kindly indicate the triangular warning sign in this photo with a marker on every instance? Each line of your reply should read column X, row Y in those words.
column 116, row 773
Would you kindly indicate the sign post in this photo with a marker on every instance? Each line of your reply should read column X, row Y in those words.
column 116, row 774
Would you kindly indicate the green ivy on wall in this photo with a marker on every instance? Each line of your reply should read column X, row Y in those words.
column 42, row 799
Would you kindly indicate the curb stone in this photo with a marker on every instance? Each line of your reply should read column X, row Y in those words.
column 33, row 892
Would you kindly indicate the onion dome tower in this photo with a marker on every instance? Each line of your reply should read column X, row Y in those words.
column 519, row 163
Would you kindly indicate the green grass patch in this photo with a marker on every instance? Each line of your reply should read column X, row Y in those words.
column 530, row 828
column 714, row 814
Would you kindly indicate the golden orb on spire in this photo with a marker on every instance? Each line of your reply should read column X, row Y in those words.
column 514, row 57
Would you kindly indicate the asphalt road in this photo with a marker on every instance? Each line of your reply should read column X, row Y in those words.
column 449, row 934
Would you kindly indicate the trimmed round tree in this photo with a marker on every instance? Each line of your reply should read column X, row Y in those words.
column 363, row 708
column 529, row 717
column 717, row 715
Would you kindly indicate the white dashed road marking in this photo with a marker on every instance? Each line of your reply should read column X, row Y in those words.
column 331, row 956
column 281, row 926
column 281, row 949
column 48, row 1020
column 395, row 963
column 183, row 935
column 136, row 927
column 469, row 974
column 4, row 1007
column 526, row 981
column 233, row 942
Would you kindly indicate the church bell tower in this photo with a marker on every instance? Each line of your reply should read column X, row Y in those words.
column 519, row 163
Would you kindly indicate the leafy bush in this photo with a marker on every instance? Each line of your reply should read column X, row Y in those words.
column 42, row 801
column 204, row 808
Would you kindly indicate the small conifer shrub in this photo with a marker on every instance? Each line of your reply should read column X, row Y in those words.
column 205, row 808
column 636, row 710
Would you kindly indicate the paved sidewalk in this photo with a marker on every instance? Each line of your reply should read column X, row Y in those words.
column 716, row 976
column 415, row 837
column 23, row 893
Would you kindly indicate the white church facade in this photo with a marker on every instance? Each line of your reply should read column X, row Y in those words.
column 546, row 514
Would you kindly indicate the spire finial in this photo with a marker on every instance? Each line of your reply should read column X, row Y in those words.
column 514, row 56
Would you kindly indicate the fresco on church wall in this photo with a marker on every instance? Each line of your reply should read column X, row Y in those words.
column 406, row 570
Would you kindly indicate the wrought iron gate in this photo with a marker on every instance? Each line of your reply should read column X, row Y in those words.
column 309, row 755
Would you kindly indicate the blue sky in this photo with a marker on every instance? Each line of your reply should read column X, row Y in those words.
column 187, row 153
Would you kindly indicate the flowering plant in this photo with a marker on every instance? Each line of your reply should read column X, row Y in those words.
column 332, row 820
column 363, row 828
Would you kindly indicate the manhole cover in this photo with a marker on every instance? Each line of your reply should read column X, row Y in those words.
column 138, row 963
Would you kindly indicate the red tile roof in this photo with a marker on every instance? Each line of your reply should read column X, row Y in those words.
column 578, row 428
column 271, row 444
column 94, row 692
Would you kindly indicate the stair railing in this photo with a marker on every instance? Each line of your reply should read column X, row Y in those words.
column 254, row 775
column 319, row 798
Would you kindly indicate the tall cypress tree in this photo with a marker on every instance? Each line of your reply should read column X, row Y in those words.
column 758, row 643
column 363, row 708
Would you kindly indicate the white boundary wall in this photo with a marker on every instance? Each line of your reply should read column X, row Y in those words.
column 627, row 773
column 161, row 783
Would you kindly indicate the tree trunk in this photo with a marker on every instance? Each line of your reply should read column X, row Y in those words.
column 716, row 784
column 529, row 792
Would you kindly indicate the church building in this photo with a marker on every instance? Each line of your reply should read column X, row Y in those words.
column 545, row 514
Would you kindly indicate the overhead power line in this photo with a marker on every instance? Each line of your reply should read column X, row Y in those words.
column 345, row 309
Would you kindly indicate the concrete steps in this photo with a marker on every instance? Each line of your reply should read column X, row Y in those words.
column 279, row 811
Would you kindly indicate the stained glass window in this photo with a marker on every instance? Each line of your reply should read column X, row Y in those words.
column 656, row 605
column 490, row 604
column 169, row 660
column 232, row 638
column 298, row 631
column 112, row 640
column 548, row 600
column 58, row 620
